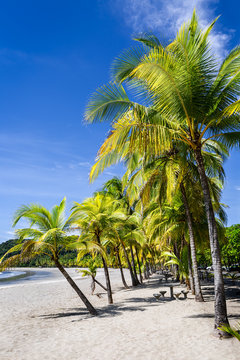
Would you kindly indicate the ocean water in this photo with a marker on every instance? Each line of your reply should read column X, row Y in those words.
column 7, row 275
column 23, row 276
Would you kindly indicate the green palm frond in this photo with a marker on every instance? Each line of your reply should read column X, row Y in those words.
column 232, row 331
column 10, row 262
column 108, row 103
column 124, row 64
column 15, row 248
column 47, row 233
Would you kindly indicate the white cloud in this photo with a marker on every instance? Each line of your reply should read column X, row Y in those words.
column 165, row 17
column 10, row 233
column 81, row 164
column 237, row 188
column 84, row 164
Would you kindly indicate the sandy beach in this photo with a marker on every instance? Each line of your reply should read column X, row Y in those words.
column 42, row 318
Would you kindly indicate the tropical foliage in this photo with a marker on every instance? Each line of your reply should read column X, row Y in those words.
column 166, row 211
column 48, row 234
column 187, row 105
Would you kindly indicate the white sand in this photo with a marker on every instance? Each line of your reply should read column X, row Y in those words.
column 44, row 319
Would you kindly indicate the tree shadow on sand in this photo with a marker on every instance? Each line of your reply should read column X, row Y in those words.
column 136, row 303
column 232, row 293
column 103, row 312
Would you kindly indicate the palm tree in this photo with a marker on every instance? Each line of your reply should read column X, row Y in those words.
column 114, row 187
column 119, row 262
column 48, row 235
column 171, row 259
column 92, row 271
column 134, row 237
column 167, row 174
column 119, row 234
column 192, row 100
column 95, row 218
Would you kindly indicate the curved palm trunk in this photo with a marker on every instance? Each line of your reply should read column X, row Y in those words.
column 76, row 288
column 198, row 291
column 220, row 300
column 190, row 271
column 121, row 270
column 133, row 265
column 139, row 266
column 134, row 283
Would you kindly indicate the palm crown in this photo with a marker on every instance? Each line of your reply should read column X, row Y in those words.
column 48, row 232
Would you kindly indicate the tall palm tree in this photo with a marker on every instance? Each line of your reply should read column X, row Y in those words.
column 134, row 237
column 115, row 244
column 48, row 235
column 95, row 218
column 173, row 170
column 193, row 101
column 179, row 173
column 114, row 187
column 119, row 234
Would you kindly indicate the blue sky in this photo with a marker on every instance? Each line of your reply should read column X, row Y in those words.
column 53, row 55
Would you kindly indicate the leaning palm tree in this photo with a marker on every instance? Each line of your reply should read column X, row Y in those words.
column 95, row 218
column 48, row 235
column 192, row 101
column 92, row 272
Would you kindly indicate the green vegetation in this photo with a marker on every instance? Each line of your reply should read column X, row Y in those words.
column 47, row 235
column 166, row 210
column 188, row 106
column 67, row 257
column 92, row 272
column 232, row 331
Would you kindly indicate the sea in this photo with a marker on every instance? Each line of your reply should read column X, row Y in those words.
column 8, row 275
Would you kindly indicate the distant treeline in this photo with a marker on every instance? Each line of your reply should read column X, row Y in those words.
column 230, row 248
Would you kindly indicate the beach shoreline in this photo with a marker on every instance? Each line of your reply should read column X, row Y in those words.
column 48, row 321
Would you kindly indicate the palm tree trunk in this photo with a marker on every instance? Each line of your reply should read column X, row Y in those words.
column 108, row 283
column 220, row 300
column 97, row 282
column 190, row 271
column 177, row 253
column 197, row 286
column 92, row 284
column 133, row 265
column 106, row 273
column 153, row 264
column 121, row 270
column 139, row 266
column 144, row 269
column 76, row 288
column 134, row 283
column 147, row 267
